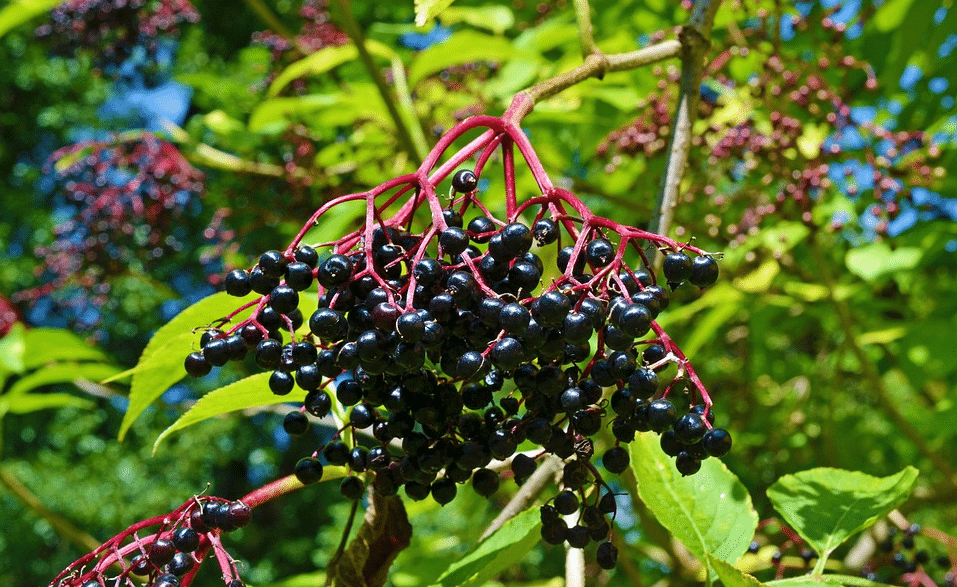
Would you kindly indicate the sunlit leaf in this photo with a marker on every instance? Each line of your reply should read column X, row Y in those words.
column 462, row 47
column 32, row 402
column 730, row 576
column 710, row 512
column 508, row 545
column 426, row 10
column 827, row 506
column 250, row 392
column 61, row 373
column 161, row 364
column 44, row 345
column 20, row 11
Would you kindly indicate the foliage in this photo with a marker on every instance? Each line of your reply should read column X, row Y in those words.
column 820, row 165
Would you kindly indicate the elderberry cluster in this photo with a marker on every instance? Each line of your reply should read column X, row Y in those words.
column 167, row 557
column 114, row 28
column 446, row 347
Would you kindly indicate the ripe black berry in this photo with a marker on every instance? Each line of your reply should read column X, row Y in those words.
column 507, row 354
column 361, row 416
column 607, row 555
column 443, row 490
column 181, row 564
column 161, row 551
column 677, row 267
column 295, row 423
column 196, row 365
column 545, row 231
column 485, row 482
column 661, row 415
column 615, row 459
column 464, row 181
column 334, row 271
column 164, row 580
column 351, row 488
column 686, row 464
column 566, row 502
column 599, row 252
column 577, row 537
column 185, row 540
column 523, row 466
column 308, row 470
column 281, row 383
column 717, row 442
column 690, row 428
column 704, row 271
column 237, row 283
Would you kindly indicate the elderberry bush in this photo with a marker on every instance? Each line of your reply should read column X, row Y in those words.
column 453, row 343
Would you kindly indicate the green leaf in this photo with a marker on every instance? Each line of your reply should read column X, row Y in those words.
column 31, row 402
column 61, row 373
column 273, row 115
column 731, row 576
column 324, row 60
column 493, row 18
column 12, row 348
column 20, row 11
column 508, row 545
column 45, row 345
column 872, row 261
column 161, row 364
column 250, row 392
column 426, row 10
column 710, row 512
column 891, row 14
column 829, row 580
column 463, row 47
column 827, row 506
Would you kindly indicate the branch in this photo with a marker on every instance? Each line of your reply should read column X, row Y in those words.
column 574, row 559
column 271, row 20
column 532, row 487
column 695, row 40
column 585, row 35
column 352, row 28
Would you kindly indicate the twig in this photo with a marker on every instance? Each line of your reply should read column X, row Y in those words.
column 585, row 35
column 345, row 534
column 595, row 65
column 271, row 20
column 351, row 26
column 695, row 39
column 532, row 487
column 213, row 157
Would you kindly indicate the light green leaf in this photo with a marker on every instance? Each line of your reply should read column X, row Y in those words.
column 324, row 60
column 508, row 545
column 731, row 576
column 875, row 260
column 20, row 11
column 273, row 115
column 61, row 373
column 811, row 138
column 250, row 392
column 710, row 512
column 462, row 47
column 161, row 364
column 12, row 347
column 827, row 506
column 31, row 402
column 891, row 15
column 45, row 345
column 426, row 10
column 495, row 18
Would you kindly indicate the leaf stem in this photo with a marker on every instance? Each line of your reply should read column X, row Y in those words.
column 529, row 490
column 270, row 19
column 352, row 28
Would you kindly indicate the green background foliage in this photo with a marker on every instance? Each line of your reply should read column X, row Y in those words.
column 825, row 352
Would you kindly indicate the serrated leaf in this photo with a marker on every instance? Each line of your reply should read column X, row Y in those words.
column 161, row 364
column 61, row 373
column 827, row 506
column 710, row 512
column 462, row 47
column 251, row 392
column 508, row 545
column 20, row 11
column 731, row 576
column 426, row 10
column 31, row 402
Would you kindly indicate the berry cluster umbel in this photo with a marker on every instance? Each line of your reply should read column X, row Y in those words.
column 452, row 343
column 171, row 555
